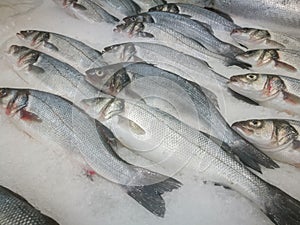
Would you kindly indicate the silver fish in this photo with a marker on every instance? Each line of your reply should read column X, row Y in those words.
column 274, row 91
column 280, row 139
column 276, row 15
column 222, row 26
column 174, row 145
column 15, row 210
column 89, row 10
column 122, row 7
column 50, row 73
column 179, row 42
column 56, row 120
column 263, row 39
column 190, row 28
column 277, row 61
column 67, row 49
column 202, row 114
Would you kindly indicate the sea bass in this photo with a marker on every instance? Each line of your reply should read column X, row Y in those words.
column 174, row 145
column 263, row 39
column 173, row 39
column 190, row 28
column 57, row 120
column 202, row 111
column 89, row 10
column 146, row 4
column 66, row 49
column 274, row 91
column 280, row 139
column 123, row 7
column 277, row 61
column 15, row 210
column 221, row 25
column 51, row 74
column 275, row 15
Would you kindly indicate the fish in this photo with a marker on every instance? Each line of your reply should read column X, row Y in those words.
column 179, row 42
column 193, row 29
column 222, row 26
column 170, row 143
column 253, row 38
column 89, row 10
column 64, row 48
column 44, row 72
column 16, row 210
column 274, row 15
column 164, row 58
column 124, row 7
column 203, row 113
column 277, row 61
column 145, row 5
column 54, row 119
column 276, row 137
column 274, row 91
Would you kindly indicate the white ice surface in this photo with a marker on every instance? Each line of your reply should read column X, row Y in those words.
column 53, row 181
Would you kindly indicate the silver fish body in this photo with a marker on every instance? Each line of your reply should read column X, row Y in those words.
column 203, row 104
column 122, row 7
column 280, row 139
column 220, row 25
column 146, row 4
column 67, row 49
column 56, row 120
column 15, row 210
column 169, row 142
column 275, row 61
column 191, row 28
column 273, row 91
column 254, row 38
column 173, row 39
column 275, row 15
column 89, row 10
column 43, row 71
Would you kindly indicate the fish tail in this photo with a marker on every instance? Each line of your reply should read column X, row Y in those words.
column 150, row 196
column 236, row 62
column 281, row 208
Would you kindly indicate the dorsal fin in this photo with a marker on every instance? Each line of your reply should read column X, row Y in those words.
column 220, row 13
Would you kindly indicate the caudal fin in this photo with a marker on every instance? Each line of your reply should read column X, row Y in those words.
column 236, row 62
column 281, row 208
column 150, row 196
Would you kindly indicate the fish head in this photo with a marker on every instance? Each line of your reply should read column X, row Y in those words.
column 65, row 3
column 271, row 135
column 259, row 57
column 22, row 56
column 103, row 108
column 33, row 37
column 170, row 7
column 134, row 29
column 13, row 100
column 119, row 53
column 249, row 35
column 251, row 85
column 140, row 18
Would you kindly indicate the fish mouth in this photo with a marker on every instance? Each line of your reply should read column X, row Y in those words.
column 20, row 35
column 233, row 79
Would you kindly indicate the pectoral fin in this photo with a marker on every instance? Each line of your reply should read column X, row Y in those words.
column 130, row 126
column 290, row 98
column 285, row 66
column 50, row 46
column 29, row 116
column 296, row 145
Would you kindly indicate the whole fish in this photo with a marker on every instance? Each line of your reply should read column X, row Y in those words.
column 222, row 26
column 174, row 145
column 201, row 114
column 89, row 10
column 173, row 39
column 67, row 49
column 190, row 28
column 165, row 58
column 15, row 210
column 275, row 15
column 276, row 61
column 146, row 4
column 280, row 139
column 57, row 120
column 274, row 91
column 263, row 39
column 51, row 74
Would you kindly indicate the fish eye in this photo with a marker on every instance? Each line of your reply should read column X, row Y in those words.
column 255, row 123
column 252, row 77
